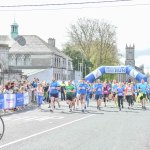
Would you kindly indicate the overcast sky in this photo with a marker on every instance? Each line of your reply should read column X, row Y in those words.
column 131, row 19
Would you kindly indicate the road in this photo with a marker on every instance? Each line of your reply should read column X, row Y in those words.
column 108, row 129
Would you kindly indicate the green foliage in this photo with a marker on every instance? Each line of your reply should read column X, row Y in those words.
column 78, row 59
column 108, row 77
column 93, row 41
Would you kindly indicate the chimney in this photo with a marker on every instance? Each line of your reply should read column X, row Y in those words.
column 51, row 42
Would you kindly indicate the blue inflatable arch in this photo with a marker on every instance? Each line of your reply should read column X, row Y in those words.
column 115, row 69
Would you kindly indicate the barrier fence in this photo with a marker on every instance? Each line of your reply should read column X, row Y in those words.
column 10, row 101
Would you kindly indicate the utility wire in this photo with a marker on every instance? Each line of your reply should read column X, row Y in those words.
column 64, row 4
column 76, row 8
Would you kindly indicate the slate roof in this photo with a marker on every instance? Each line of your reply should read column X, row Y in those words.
column 30, row 44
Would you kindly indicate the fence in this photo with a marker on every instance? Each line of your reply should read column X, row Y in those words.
column 10, row 101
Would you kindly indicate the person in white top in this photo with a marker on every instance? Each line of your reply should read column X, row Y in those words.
column 40, row 95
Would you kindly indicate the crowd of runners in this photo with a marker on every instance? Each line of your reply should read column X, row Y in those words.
column 79, row 94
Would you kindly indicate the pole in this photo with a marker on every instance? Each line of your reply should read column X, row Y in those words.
column 80, row 71
column 82, row 66
column 78, row 66
column 85, row 70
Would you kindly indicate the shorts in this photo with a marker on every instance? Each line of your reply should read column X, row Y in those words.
column 105, row 95
column 81, row 97
column 143, row 96
column 54, row 95
column 98, row 96
column 114, row 94
column 69, row 97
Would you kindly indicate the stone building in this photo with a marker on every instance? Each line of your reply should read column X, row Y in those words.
column 130, row 60
column 21, row 54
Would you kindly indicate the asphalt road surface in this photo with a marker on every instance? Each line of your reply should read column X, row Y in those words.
column 107, row 129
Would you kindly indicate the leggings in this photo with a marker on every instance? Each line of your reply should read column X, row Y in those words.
column 120, row 101
column 129, row 99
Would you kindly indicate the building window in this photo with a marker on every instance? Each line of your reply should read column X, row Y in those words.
column 12, row 60
column 27, row 60
column 55, row 62
column 69, row 65
column 59, row 77
column 55, row 76
column 59, row 63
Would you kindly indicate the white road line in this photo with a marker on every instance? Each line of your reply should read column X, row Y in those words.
column 39, row 133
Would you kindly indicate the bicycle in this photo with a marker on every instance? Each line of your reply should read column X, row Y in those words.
column 2, row 127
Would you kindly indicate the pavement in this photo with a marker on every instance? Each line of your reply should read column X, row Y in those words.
column 105, row 129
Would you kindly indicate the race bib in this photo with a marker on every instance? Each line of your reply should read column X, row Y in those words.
column 120, row 94
column 53, row 88
column 99, row 90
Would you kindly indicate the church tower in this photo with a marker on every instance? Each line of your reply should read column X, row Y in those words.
column 14, row 30
column 130, row 57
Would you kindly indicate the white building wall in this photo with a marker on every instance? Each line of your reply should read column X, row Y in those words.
column 43, row 75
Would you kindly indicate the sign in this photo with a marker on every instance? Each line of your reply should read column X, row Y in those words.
column 116, row 69
column 26, row 98
column 9, row 101
column 1, row 101
column 19, row 99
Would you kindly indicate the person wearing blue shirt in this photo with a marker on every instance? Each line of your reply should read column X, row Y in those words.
column 89, row 91
column 98, row 93
column 82, row 89
column 53, row 93
column 148, row 91
column 142, row 89
column 135, row 91
column 114, row 92
column 120, row 92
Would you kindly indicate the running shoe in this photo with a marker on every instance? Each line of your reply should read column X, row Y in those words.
column 83, row 110
column 51, row 110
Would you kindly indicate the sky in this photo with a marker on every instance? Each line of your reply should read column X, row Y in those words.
column 131, row 19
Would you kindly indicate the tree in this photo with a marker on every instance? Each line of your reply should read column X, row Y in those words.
column 78, row 59
column 95, row 40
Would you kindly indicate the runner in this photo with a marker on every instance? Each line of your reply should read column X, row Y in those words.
column 135, row 92
column 89, row 91
column 78, row 94
column 40, row 95
column 129, row 95
column 120, row 93
column 148, row 91
column 98, row 93
column 62, row 90
column 114, row 92
column 83, row 91
column 75, row 95
column 69, row 90
column 53, row 93
column 142, row 90
column 105, row 92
